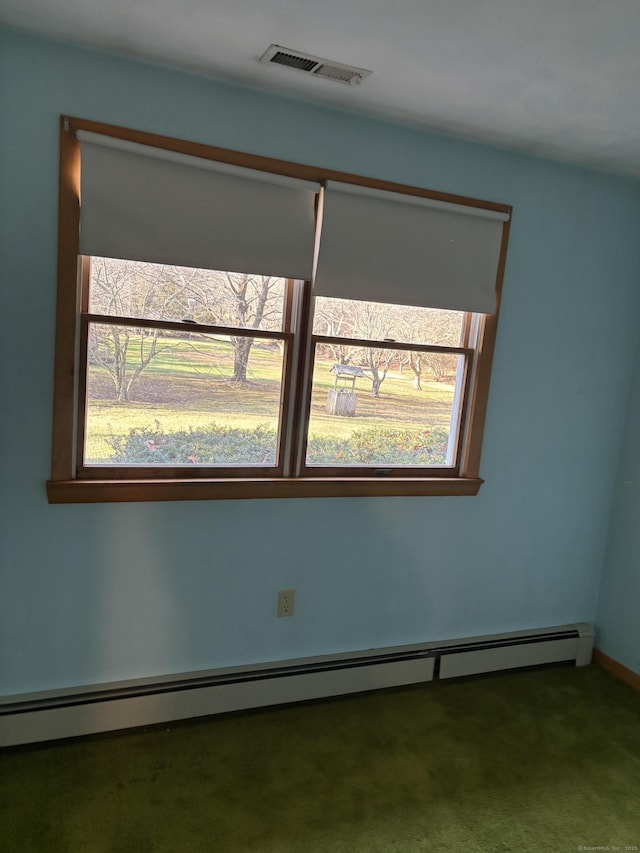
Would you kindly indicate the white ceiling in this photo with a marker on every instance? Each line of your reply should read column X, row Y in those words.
column 558, row 78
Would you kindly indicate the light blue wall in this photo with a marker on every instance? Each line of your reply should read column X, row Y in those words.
column 101, row 592
column 618, row 622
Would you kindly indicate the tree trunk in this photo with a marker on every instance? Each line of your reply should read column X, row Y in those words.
column 241, row 350
column 415, row 363
column 378, row 362
column 242, row 346
column 377, row 377
column 120, row 347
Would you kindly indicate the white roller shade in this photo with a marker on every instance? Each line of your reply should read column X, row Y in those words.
column 388, row 247
column 147, row 204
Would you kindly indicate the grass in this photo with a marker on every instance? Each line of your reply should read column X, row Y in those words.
column 188, row 385
column 399, row 406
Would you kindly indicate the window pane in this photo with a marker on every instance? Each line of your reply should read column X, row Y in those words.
column 166, row 398
column 160, row 292
column 346, row 318
column 384, row 408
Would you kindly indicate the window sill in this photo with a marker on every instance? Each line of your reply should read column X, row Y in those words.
column 106, row 491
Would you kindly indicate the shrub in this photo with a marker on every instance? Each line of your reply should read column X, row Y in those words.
column 222, row 445
column 213, row 445
column 382, row 447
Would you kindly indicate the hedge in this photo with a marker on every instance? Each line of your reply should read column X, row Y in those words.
column 223, row 445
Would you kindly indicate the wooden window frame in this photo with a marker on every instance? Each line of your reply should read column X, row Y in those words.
column 72, row 483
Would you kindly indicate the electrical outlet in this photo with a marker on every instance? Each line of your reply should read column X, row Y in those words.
column 286, row 598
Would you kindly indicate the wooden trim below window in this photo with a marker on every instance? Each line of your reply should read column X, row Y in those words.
column 106, row 491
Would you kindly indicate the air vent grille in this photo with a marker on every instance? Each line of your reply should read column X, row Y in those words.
column 292, row 61
column 337, row 72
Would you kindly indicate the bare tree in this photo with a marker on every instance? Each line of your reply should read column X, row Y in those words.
column 119, row 288
column 437, row 327
column 237, row 300
column 369, row 320
column 162, row 292
column 335, row 318
column 376, row 322
column 250, row 299
column 112, row 347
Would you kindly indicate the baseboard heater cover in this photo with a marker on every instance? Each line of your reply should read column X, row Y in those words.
column 108, row 707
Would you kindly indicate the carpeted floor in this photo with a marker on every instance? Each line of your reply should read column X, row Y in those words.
column 547, row 760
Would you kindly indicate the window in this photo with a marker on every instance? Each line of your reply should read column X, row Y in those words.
column 232, row 326
column 185, row 369
column 387, row 389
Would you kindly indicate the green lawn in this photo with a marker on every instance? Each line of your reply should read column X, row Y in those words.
column 187, row 385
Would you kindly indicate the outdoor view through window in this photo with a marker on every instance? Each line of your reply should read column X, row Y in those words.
column 163, row 396
column 379, row 405
column 168, row 392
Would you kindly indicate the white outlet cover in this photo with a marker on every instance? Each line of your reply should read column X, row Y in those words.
column 286, row 601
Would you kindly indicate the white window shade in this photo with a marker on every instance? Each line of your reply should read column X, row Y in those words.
column 407, row 250
column 147, row 204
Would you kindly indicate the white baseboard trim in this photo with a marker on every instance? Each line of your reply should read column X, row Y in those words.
column 108, row 707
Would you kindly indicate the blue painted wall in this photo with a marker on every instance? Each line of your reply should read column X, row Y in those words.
column 617, row 623
column 101, row 592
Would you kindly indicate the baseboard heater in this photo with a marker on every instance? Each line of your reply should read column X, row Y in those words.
column 107, row 707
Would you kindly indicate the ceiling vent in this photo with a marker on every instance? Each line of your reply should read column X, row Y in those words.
column 338, row 72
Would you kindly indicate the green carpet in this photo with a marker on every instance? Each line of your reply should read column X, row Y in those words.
column 544, row 760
